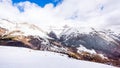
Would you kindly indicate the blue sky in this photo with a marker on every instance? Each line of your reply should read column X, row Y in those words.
column 41, row 3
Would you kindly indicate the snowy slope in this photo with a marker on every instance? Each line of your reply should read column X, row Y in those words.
column 13, row 57
column 25, row 28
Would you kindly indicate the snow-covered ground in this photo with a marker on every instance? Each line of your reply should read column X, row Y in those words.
column 15, row 57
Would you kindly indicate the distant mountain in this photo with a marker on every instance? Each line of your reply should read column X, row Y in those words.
column 89, row 44
column 105, row 42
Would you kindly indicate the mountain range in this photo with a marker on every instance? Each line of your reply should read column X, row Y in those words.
column 90, row 44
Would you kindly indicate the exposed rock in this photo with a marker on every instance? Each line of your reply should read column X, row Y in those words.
column 2, row 31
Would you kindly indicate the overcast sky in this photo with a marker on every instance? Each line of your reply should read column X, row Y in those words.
column 90, row 13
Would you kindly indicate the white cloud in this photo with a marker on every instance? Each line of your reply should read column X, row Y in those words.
column 89, row 11
column 92, row 13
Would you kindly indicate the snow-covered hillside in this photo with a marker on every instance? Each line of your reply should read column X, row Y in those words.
column 24, row 28
column 14, row 57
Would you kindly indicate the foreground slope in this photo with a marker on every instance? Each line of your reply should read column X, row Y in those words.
column 14, row 57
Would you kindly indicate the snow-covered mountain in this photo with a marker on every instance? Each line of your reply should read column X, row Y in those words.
column 106, row 41
column 81, row 43
column 24, row 28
